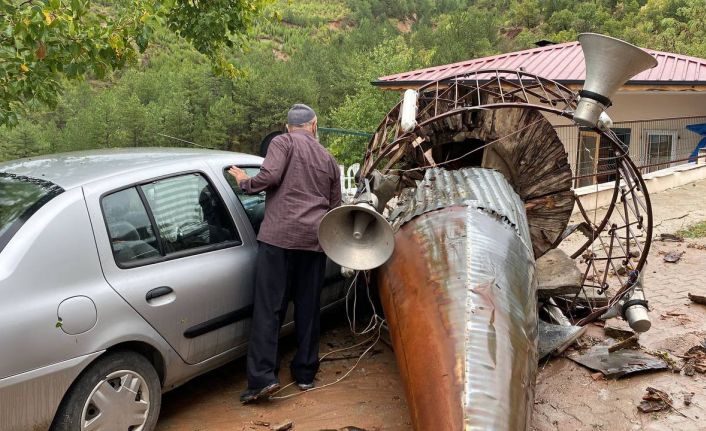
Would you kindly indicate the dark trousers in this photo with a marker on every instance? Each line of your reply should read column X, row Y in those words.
column 281, row 275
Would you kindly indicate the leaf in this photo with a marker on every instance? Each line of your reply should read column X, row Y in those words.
column 24, row 68
column 48, row 18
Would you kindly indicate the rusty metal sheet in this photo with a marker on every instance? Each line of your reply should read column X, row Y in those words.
column 459, row 294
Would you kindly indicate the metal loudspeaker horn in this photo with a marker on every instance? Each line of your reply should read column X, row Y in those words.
column 356, row 236
column 610, row 63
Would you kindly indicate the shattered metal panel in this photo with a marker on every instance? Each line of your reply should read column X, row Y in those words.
column 485, row 189
column 620, row 363
column 555, row 338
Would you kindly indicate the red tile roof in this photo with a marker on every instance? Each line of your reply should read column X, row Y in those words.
column 561, row 62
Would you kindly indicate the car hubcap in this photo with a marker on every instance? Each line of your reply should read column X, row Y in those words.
column 121, row 401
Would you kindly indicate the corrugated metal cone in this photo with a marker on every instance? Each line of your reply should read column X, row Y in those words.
column 459, row 296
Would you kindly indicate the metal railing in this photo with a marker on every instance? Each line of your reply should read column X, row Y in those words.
column 652, row 144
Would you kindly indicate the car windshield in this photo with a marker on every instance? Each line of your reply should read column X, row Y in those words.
column 20, row 197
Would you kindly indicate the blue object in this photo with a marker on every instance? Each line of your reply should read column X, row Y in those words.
column 701, row 130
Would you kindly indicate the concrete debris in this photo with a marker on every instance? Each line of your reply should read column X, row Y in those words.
column 699, row 299
column 673, row 256
column 654, row 400
column 688, row 396
column 557, row 274
column 621, row 270
column 669, row 237
column 284, row 426
column 346, row 428
column 615, row 365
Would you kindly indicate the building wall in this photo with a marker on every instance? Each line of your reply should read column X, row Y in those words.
column 631, row 106
column 643, row 119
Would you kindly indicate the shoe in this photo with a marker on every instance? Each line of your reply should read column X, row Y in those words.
column 251, row 395
column 306, row 386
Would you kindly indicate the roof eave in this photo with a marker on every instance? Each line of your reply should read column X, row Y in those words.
column 695, row 85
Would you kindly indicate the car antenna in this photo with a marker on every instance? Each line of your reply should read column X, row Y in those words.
column 183, row 140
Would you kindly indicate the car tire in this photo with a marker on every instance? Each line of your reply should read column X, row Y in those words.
column 104, row 393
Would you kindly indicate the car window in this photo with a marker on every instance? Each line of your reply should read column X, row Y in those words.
column 254, row 205
column 20, row 197
column 188, row 213
column 131, row 234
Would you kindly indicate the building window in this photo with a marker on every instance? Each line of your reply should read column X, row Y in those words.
column 596, row 160
column 661, row 148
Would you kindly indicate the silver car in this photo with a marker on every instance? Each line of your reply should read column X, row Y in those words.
column 123, row 274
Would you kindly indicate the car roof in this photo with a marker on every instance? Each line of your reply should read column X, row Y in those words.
column 69, row 170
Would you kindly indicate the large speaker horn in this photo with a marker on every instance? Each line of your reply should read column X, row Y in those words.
column 610, row 63
column 356, row 237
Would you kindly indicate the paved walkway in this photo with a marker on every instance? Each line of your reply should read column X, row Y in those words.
column 567, row 397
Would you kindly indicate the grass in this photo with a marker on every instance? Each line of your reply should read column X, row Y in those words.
column 697, row 230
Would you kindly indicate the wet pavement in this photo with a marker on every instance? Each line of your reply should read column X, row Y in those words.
column 567, row 395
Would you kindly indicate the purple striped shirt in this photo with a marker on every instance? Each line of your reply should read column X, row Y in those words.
column 303, row 183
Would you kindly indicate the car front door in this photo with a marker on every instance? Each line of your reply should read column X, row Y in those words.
column 174, row 250
column 254, row 206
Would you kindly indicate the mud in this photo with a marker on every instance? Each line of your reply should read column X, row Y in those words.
column 370, row 398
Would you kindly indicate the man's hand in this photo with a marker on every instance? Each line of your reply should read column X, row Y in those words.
column 238, row 174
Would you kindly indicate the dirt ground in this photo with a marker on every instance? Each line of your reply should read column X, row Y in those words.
column 567, row 396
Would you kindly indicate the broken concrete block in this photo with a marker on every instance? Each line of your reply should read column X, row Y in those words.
column 557, row 274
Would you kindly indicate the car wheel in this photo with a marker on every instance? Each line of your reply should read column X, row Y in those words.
column 119, row 392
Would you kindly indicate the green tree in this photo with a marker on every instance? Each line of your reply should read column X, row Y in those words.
column 525, row 13
column 459, row 36
column 367, row 106
column 43, row 41
column 219, row 129
column 25, row 141
column 137, row 122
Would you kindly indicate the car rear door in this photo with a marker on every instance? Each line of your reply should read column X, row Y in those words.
column 178, row 253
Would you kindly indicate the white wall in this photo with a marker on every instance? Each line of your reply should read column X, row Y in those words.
column 650, row 105
column 631, row 106
column 651, row 109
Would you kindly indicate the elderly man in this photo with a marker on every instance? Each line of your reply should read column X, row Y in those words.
column 302, row 181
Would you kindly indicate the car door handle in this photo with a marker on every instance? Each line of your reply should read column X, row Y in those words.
column 157, row 292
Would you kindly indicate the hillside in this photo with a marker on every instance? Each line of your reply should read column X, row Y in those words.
column 324, row 53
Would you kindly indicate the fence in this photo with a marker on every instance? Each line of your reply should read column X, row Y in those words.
column 352, row 144
column 652, row 145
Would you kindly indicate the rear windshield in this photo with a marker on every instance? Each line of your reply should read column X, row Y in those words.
column 20, row 197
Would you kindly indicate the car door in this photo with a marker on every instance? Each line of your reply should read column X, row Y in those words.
column 174, row 250
column 254, row 206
